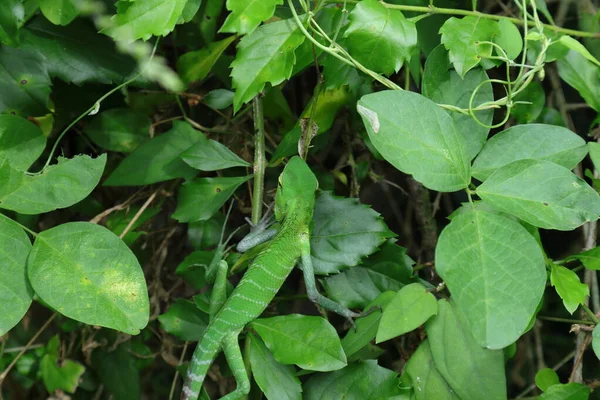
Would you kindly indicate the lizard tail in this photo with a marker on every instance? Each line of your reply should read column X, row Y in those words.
column 205, row 353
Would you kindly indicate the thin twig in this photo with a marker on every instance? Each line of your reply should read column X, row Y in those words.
column 140, row 211
column 260, row 160
column 174, row 384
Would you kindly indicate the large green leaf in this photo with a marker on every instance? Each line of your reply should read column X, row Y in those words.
column 142, row 19
column 119, row 129
column 344, row 231
column 246, row 15
column 201, row 198
column 210, row 155
column 495, row 271
column 380, row 38
column 583, row 75
column 408, row 310
column 59, row 12
column 195, row 65
column 77, row 53
column 462, row 37
column 444, row 86
column 87, row 273
column 15, row 291
column 541, row 193
column 531, row 141
column 21, row 141
column 184, row 320
column 417, row 137
column 158, row 159
column 265, row 55
column 58, row 373
column 569, row 287
column 427, row 383
column 58, row 186
column 24, row 83
column 277, row 381
column 11, row 16
column 567, row 391
column 469, row 369
column 361, row 381
column 309, row 342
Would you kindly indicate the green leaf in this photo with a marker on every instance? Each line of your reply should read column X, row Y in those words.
column 461, row 37
column 246, row 15
column 189, row 11
column 193, row 268
column 119, row 129
column 531, row 141
column 568, row 391
column 309, row 342
column 118, row 372
column 344, row 231
column 158, row 159
column 594, row 150
column 527, row 113
column 219, row 99
column 590, row 259
column 545, row 378
column 596, row 341
column 582, row 75
column 77, row 53
column 475, row 252
column 201, row 198
column 87, row 273
column 59, row 12
column 360, row 381
column 210, row 155
column 509, row 38
column 142, row 19
column 430, row 149
column 24, row 83
column 11, row 17
column 265, row 55
column 541, row 193
column 195, row 65
column 427, row 383
column 184, row 320
column 444, row 86
column 15, row 291
column 21, row 142
column 380, row 38
column 277, row 382
column 459, row 358
column 408, row 310
column 120, row 220
column 578, row 47
column 569, row 287
column 58, row 373
column 58, row 186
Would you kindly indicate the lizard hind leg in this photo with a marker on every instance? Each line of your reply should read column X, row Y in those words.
column 233, row 354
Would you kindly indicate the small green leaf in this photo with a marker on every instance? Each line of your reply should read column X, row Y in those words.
column 195, row 65
column 379, row 38
column 142, row 19
column 459, row 357
column 545, row 378
column 509, row 38
column 567, row 391
column 474, row 252
column 120, row 220
column 193, row 268
column 59, row 12
column 277, row 381
column 582, row 75
column 590, row 259
column 531, row 141
column 184, row 320
column 569, row 287
column 11, row 17
column 15, row 292
column 344, row 231
column 578, row 47
column 21, row 141
column 427, row 383
column 201, row 198
column 246, row 15
column 265, row 55
column 431, row 149
column 408, row 310
column 596, row 341
column 87, row 273
column 158, row 159
column 118, row 372
column 189, row 11
column 309, row 342
column 210, row 155
column 58, row 186
column 462, row 37
column 219, row 99
column 364, row 380
column 527, row 113
column 541, row 193
column 119, row 129
column 63, row 375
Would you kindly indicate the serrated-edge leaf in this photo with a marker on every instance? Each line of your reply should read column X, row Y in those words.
column 246, row 15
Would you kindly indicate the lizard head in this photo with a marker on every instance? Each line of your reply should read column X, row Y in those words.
column 296, row 188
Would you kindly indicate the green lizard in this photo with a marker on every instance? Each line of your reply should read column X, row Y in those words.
column 294, row 203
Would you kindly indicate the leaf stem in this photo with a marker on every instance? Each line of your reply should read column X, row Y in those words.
column 260, row 161
column 566, row 320
column 590, row 313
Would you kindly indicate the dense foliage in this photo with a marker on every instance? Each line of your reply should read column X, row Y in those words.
column 455, row 144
